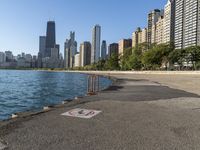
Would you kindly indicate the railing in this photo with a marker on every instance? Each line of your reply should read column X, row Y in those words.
column 93, row 85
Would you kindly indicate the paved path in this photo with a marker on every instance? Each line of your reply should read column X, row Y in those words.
column 136, row 115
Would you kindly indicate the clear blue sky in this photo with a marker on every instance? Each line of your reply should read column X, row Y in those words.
column 23, row 21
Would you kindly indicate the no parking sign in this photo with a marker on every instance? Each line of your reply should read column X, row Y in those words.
column 81, row 113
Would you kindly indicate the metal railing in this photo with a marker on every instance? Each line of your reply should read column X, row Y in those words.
column 93, row 85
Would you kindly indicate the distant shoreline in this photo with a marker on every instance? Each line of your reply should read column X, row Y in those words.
column 108, row 72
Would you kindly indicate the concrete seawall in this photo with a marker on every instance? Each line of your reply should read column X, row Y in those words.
column 139, row 111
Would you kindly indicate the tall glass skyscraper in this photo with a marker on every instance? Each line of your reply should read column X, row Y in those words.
column 96, row 44
column 51, row 34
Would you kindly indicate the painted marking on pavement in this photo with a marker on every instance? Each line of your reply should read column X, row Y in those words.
column 81, row 113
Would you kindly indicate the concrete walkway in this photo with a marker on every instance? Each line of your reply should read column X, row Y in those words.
column 138, row 113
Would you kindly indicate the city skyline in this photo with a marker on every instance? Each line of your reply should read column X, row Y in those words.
column 24, row 26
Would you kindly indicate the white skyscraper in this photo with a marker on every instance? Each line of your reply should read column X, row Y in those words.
column 96, row 44
column 168, row 22
column 187, row 23
column 77, row 60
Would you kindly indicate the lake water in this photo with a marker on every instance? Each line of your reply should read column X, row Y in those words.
column 31, row 90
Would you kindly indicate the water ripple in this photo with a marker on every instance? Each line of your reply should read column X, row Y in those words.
column 30, row 90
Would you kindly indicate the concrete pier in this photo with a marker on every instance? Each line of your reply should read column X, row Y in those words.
column 138, row 112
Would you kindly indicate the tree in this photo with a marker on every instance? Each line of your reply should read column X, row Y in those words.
column 112, row 63
column 124, row 59
column 101, row 64
column 135, row 62
column 193, row 55
column 155, row 57
column 178, row 56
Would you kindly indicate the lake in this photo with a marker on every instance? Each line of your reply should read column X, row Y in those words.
column 32, row 90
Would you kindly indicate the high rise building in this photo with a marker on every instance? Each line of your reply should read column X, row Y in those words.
column 51, row 34
column 113, row 49
column 66, row 54
column 153, row 17
column 2, row 57
column 49, row 51
column 77, row 60
column 70, row 50
column 169, row 21
column 187, row 23
column 23, row 55
column 139, row 37
column 28, row 58
column 9, row 56
column 42, row 45
column 85, row 54
column 50, row 38
column 158, row 31
column 42, row 49
column 96, row 39
column 144, row 35
column 103, row 50
column 124, row 44
column 55, row 53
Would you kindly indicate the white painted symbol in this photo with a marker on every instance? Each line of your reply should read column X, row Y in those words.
column 81, row 113
column 2, row 146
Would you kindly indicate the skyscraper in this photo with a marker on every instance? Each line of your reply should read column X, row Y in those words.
column 158, row 31
column 153, row 17
column 85, row 54
column 169, row 16
column 77, row 60
column 103, row 50
column 70, row 50
column 50, row 37
column 51, row 34
column 96, row 39
column 9, row 56
column 187, row 23
column 42, row 45
column 124, row 44
column 48, row 55
column 2, row 57
column 113, row 49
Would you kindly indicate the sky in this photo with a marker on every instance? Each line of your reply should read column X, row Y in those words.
column 23, row 21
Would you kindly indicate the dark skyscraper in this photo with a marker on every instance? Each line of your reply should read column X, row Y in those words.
column 113, row 49
column 48, row 55
column 51, row 34
column 103, row 50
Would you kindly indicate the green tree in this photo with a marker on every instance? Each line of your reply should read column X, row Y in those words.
column 178, row 56
column 124, row 59
column 155, row 57
column 101, row 65
column 193, row 55
column 112, row 63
